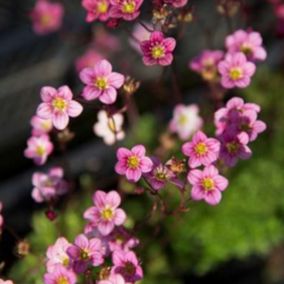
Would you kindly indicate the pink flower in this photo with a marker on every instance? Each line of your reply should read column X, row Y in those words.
column 207, row 185
column 105, row 215
column 59, row 275
column 201, row 150
column 206, row 64
column 158, row 49
column 176, row 3
column 97, row 10
column 40, row 126
column 186, row 121
column 113, row 279
column 90, row 58
column 47, row 17
column 57, row 254
column 249, row 43
column 1, row 219
column 109, row 127
column 127, row 264
column 58, row 105
column 6, row 282
column 38, row 149
column 233, row 147
column 48, row 186
column 236, row 71
column 101, row 82
column 85, row 253
column 160, row 175
column 125, row 9
column 133, row 163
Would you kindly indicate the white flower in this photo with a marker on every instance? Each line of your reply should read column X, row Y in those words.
column 109, row 128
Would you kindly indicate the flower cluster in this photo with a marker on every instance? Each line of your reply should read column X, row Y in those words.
column 105, row 240
column 46, row 17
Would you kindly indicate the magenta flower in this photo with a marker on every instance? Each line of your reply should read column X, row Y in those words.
column 46, row 17
column 113, row 279
column 186, row 121
column 176, row 3
column 48, row 186
column 58, row 105
column 59, row 275
column 160, row 175
column 201, row 150
column 38, row 149
column 40, row 126
column 207, row 185
column 125, row 9
column 97, row 10
column 57, row 254
column 101, row 82
column 249, row 43
column 236, row 71
column 127, row 264
column 158, row 49
column 86, row 253
column 105, row 215
column 233, row 147
column 132, row 163
column 206, row 64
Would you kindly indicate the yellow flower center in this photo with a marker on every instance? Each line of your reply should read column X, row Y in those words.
column 40, row 150
column 208, row 184
column 236, row 73
column 84, row 255
column 59, row 104
column 111, row 125
column 129, row 7
column 201, row 149
column 183, row 120
column 161, row 176
column 45, row 20
column 65, row 261
column 101, row 83
column 133, row 162
column 246, row 49
column 46, row 124
column 107, row 214
column 232, row 147
column 102, row 7
column 62, row 280
column 158, row 51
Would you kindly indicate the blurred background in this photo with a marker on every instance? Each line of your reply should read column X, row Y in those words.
column 240, row 241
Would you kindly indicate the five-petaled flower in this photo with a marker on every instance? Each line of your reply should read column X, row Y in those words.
column 125, row 9
column 133, row 163
column 58, row 105
column 97, row 9
column 158, row 49
column 101, row 82
column 105, row 215
column 60, row 275
column 207, row 184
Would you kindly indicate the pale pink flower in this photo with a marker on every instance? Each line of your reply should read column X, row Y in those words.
column 101, row 82
column 133, row 163
column 158, row 49
column 139, row 34
column 125, row 9
column 48, row 186
column 109, row 127
column 113, row 279
column 249, row 43
column 57, row 254
column 8, row 282
column 38, row 149
column 59, row 275
column 207, row 185
column 97, row 10
column 105, row 215
column 127, row 264
column 46, row 17
column 58, row 105
column 206, row 64
column 40, row 126
column 85, row 253
column 89, row 59
column 201, row 150
column 236, row 71
column 186, row 121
